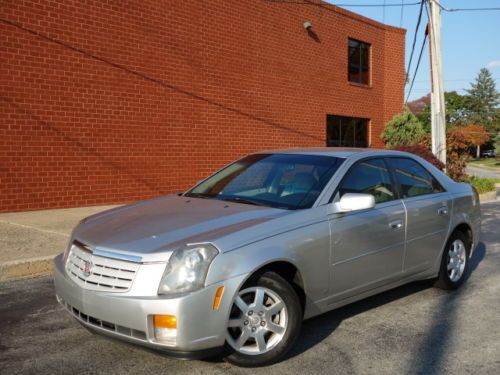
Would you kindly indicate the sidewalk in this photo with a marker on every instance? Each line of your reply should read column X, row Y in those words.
column 30, row 240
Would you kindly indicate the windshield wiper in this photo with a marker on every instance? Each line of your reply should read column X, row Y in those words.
column 199, row 195
column 241, row 200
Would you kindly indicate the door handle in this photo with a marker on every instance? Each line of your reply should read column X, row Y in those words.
column 443, row 211
column 396, row 224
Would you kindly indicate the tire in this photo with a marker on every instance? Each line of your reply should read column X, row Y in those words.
column 455, row 262
column 259, row 334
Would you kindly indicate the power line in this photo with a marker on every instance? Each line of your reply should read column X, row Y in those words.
column 416, row 69
column 468, row 9
column 414, row 40
column 464, row 9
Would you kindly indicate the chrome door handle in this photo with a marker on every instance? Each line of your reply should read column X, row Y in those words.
column 443, row 211
column 396, row 224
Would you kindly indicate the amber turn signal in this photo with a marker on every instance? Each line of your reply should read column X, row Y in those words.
column 218, row 298
column 165, row 321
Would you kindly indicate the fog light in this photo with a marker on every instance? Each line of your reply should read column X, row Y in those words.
column 165, row 327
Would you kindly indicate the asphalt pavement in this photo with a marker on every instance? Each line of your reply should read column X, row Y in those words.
column 414, row 329
column 482, row 172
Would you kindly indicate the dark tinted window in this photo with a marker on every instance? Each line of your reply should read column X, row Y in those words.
column 368, row 177
column 413, row 179
column 277, row 180
column 359, row 62
column 346, row 131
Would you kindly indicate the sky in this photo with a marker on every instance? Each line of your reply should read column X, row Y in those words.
column 470, row 40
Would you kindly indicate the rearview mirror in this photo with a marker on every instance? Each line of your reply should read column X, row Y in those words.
column 353, row 202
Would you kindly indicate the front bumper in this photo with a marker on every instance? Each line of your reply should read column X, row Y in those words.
column 128, row 316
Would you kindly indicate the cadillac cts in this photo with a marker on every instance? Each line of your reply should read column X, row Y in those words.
column 235, row 264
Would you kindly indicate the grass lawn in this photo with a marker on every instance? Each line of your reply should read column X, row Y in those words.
column 486, row 162
column 483, row 185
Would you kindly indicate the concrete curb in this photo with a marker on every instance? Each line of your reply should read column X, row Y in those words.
column 487, row 197
column 26, row 268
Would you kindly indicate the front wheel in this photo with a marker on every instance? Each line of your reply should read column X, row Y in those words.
column 264, row 322
column 455, row 262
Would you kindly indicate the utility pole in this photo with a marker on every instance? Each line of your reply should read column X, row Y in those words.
column 438, row 110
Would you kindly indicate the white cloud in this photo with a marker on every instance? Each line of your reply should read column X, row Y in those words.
column 493, row 64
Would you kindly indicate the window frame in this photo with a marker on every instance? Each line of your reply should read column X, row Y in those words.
column 398, row 185
column 366, row 124
column 394, row 183
column 360, row 65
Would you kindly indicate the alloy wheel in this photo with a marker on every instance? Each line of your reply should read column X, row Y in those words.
column 457, row 256
column 258, row 321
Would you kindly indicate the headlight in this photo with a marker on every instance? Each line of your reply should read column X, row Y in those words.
column 187, row 269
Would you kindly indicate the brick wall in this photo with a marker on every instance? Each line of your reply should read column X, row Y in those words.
column 115, row 101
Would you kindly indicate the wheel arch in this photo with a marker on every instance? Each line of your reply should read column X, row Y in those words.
column 466, row 229
column 286, row 269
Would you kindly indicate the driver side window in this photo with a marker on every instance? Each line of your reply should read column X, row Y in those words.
column 368, row 177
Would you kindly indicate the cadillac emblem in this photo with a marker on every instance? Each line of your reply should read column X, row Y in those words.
column 87, row 268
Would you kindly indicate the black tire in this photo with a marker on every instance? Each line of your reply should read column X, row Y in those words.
column 444, row 280
column 286, row 292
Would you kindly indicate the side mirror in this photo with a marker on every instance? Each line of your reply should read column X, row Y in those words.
column 353, row 202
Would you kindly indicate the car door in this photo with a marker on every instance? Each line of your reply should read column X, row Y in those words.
column 428, row 208
column 367, row 247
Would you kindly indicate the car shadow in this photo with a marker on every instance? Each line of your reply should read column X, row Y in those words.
column 315, row 330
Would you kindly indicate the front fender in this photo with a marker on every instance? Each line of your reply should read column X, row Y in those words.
column 307, row 248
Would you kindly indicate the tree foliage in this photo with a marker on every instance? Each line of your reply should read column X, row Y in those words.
column 403, row 130
column 456, row 153
column 457, row 110
column 475, row 135
column 484, row 100
column 497, row 144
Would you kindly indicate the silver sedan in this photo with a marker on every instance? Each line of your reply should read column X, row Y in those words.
column 234, row 265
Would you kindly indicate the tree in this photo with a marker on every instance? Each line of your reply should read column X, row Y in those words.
column 497, row 144
column 418, row 105
column 456, row 153
column 457, row 110
column 484, row 101
column 476, row 135
column 403, row 130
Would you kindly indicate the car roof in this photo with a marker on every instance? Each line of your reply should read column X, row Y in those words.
column 340, row 152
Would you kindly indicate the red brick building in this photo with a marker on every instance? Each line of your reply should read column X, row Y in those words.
column 112, row 101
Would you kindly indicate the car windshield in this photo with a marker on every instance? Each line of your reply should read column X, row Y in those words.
column 289, row 181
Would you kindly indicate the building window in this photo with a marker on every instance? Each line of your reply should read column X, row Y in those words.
column 359, row 62
column 346, row 131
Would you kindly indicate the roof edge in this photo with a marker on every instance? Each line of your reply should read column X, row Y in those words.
column 347, row 13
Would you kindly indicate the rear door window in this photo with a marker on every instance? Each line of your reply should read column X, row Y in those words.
column 413, row 178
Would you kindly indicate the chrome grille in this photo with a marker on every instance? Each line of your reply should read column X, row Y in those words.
column 98, row 273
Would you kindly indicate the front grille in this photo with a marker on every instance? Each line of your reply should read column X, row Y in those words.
column 98, row 273
column 88, row 319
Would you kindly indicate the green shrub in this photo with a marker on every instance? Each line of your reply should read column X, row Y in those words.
column 482, row 185
column 403, row 130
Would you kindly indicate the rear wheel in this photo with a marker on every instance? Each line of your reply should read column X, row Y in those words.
column 455, row 262
column 264, row 323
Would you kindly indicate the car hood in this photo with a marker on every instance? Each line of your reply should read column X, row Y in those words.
column 155, row 227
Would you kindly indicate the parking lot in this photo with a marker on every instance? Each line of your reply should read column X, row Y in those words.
column 412, row 329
